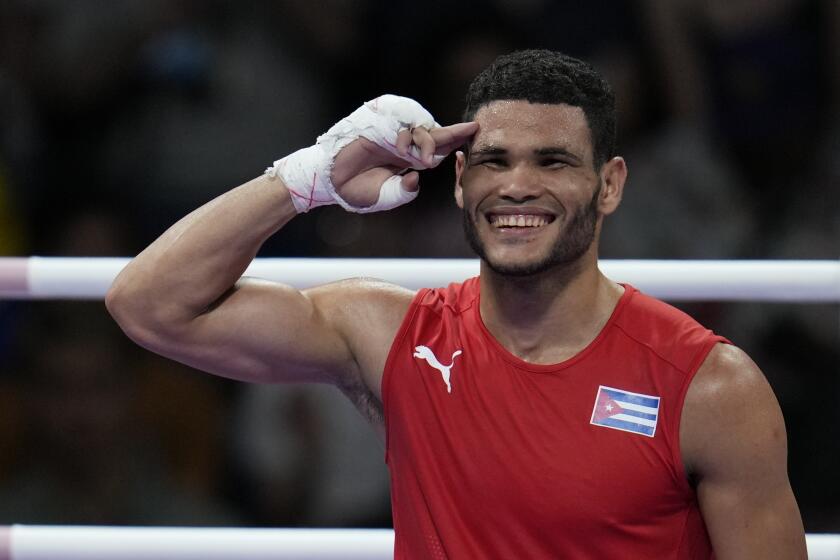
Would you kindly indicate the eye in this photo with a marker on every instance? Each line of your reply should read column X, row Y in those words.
column 554, row 163
column 492, row 162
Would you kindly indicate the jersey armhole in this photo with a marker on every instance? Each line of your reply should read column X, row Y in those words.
column 694, row 367
column 385, row 387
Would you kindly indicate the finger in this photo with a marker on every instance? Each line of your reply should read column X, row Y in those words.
column 378, row 156
column 447, row 138
column 403, row 141
column 410, row 181
column 423, row 140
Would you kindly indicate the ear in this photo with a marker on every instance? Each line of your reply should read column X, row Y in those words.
column 613, row 175
column 460, row 165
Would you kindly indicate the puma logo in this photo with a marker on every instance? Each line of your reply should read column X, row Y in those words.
column 426, row 353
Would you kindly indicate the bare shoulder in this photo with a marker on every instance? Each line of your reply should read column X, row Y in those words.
column 367, row 313
column 362, row 307
column 729, row 400
column 362, row 294
column 727, row 374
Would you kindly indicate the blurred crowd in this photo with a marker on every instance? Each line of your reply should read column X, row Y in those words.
column 117, row 117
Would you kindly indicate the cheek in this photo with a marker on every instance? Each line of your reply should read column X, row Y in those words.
column 575, row 190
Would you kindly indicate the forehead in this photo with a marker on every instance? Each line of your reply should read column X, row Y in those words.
column 511, row 124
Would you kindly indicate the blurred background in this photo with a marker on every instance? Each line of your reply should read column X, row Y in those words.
column 117, row 117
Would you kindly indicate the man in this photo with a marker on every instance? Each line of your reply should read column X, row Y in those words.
column 538, row 411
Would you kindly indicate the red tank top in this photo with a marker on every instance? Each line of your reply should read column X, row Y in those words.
column 494, row 457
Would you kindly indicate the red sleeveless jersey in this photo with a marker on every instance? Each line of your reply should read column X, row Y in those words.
column 494, row 457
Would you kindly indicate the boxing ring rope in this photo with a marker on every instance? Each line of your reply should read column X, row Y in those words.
column 89, row 278
column 744, row 280
column 29, row 542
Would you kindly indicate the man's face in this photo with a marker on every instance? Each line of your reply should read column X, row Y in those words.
column 528, row 188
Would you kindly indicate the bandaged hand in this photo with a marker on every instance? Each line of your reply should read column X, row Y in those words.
column 360, row 162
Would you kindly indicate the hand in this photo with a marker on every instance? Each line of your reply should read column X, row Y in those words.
column 357, row 163
column 361, row 167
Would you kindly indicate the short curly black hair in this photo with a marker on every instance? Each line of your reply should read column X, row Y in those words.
column 543, row 76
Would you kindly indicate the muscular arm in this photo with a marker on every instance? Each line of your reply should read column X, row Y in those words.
column 182, row 297
column 733, row 443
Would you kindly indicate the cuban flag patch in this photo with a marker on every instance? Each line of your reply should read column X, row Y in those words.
column 625, row 411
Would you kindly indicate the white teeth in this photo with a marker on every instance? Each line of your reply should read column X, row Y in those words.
column 518, row 220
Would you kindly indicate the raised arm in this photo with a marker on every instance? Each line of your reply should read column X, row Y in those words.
column 182, row 296
column 734, row 445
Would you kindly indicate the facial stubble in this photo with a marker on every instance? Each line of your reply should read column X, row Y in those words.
column 570, row 246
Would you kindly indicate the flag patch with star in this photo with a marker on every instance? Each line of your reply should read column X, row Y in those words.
column 626, row 411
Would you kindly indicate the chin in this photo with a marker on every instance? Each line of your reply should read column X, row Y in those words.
column 541, row 254
column 518, row 266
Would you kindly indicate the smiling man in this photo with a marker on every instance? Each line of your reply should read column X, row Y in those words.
column 539, row 410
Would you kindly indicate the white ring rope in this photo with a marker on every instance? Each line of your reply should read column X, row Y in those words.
column 782, row 280
column 29, row 542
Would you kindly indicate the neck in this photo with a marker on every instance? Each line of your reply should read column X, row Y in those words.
column 550, row 316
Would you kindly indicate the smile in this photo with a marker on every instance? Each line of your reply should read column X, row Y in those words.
column 519, row 220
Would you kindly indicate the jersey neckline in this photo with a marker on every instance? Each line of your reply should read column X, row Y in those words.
column 519, row 363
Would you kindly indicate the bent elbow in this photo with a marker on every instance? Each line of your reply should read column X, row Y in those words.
column 125, row 310
column 138, row 317
column 115, row 303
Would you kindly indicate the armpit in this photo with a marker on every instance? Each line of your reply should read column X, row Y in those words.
column 365, row 402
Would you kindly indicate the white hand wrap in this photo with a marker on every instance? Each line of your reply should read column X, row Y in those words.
column 307, row 173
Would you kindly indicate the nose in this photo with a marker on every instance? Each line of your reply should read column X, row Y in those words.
column 520, row 183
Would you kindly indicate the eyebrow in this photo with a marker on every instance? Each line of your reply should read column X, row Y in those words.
column 547, row 151
column 556, row 151
column 487, row 150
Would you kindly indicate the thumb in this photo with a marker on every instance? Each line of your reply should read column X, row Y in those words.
column 410, row 182
column 394, row 192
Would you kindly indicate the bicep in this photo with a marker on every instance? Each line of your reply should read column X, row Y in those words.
column 265, row 332
column 733, row 440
